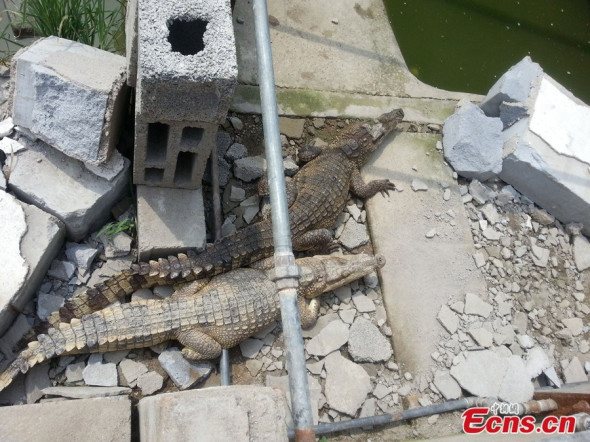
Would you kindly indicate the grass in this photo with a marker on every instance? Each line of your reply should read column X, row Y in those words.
column 111, row 229
column 87, row 21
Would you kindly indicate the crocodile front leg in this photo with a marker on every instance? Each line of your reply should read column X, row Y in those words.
column 198, row 345
column 367, row 190
column 308, row 312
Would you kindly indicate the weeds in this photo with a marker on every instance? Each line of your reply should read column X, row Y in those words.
column 111, row 229
column 85, row 21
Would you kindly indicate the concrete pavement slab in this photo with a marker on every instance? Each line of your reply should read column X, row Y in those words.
column 421, row 273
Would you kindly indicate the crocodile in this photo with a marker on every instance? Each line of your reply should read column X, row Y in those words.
column 205, row 316
column 317, row 195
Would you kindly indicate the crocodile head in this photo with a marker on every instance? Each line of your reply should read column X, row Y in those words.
column 319, row 274
column 360, row 142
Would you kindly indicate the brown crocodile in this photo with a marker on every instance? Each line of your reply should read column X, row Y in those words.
column 317, row 195
column 204, row 316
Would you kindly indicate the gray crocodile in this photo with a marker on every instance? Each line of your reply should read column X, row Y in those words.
column 205, row 316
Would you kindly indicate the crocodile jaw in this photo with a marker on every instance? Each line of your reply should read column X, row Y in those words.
column 321, row 274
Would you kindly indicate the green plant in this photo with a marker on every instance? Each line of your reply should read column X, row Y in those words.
column 111, row 229
column 85, row 21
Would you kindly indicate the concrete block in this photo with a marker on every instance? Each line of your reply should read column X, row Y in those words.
column 239, row 412
column 546, row 156
column 514, row 86
column 32, row 238
column 131, row 42
column 63, row 187
column 70, row 95
column 187, row 66
column 169, row 221
column 170, row 153
column 98, row 419
column 473, row 143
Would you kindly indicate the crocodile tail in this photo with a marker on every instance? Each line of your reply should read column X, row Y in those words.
column 55, row 343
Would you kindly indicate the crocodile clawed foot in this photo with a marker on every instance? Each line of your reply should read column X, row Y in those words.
column 386, row 187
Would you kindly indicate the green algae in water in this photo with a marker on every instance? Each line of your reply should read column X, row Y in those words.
column 466, row 45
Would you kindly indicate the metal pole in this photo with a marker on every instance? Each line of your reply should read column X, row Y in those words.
column 286, row 271
column 224, row 368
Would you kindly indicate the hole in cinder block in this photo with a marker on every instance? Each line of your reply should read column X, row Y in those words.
column 191, row 137
column 186, row 36
column 157, row 142
column 153, row 175
column 184, row 168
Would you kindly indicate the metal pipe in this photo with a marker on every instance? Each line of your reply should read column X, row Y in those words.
column 530, row 407
column 286, row 273
column 224, row 367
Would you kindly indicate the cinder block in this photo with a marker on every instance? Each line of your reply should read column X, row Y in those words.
column 131, row 42
column 70, row 95
column 239, row 412
column 98, row 419
column 169, row 221
column 32, row 239
column 64, row 187
column 171, row 153
column 187, row 66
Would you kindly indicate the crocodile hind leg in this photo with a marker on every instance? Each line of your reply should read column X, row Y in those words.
column 190, row 289
column 308, row 312
column 198, row 345
column 312, row 239
column 367, row 190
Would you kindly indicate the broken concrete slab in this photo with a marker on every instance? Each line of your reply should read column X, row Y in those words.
column 581, row 253
column 70, row 95
column 239, row 412
column 333, row 336
column 77, row 197
column 472, row 143
column 169, row 221
column 183, row 373
column 413, row 288
column 347, row 384
column 37, row 247
column 86, row 392
column 105, row 418
column 315, row 390
column 366, row 343
column 488, row 374
column 131, row 42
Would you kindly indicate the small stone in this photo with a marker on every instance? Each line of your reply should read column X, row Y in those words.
column 430, row 234
column 448, row 319
column 237, row 194
column 447, row 194
column 381, row 391
column 236, row 123
column 540, row 255
column 490, row 213
column 115, row 356
column 491, row 234
column 335, row 21
column 581, row 252
column 131, row 370
column 290, row 167
column 163, row 291
column 419, row 185
column 37, row 379
column 354, row 235
column 6, row 127
column 344, row 293
column 236, row 151
column 479, row 259
column 347, row 384
column 118, row 245
column 366, row 343
column 47, row 304
column 482, row 337
column 446, row 385
column 62, row 270
column 333, row 336
column 542, row 217
column 474, row 305
column 74, row 372
column 525, row 341
column 574, row 325
column 183, row 373
column 574, row 372
column 102, row 375
column 249, row 168
column 254, row 366
column 363, row 303
column 250, row 347
column 480, row 192
column 81, row 255
column 150, row 382
column 291, row 127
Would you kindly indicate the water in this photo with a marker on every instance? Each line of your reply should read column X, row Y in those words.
column 466, row 45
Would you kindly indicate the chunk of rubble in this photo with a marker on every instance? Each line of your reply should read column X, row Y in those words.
column 150, row 382
column 488, row 374
column 574, row 372
column 89, row 198
column 366, row 343
column 446, row 385
column 354, row 235
column 27, row 255
column 85, row 392
column 472, row 143
column 474, row 305
column 70, row 95
column 448, row 319
column 581, row 253
column 347, row 384
column 82, row 255
column 333, row 336
column 183, row 373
